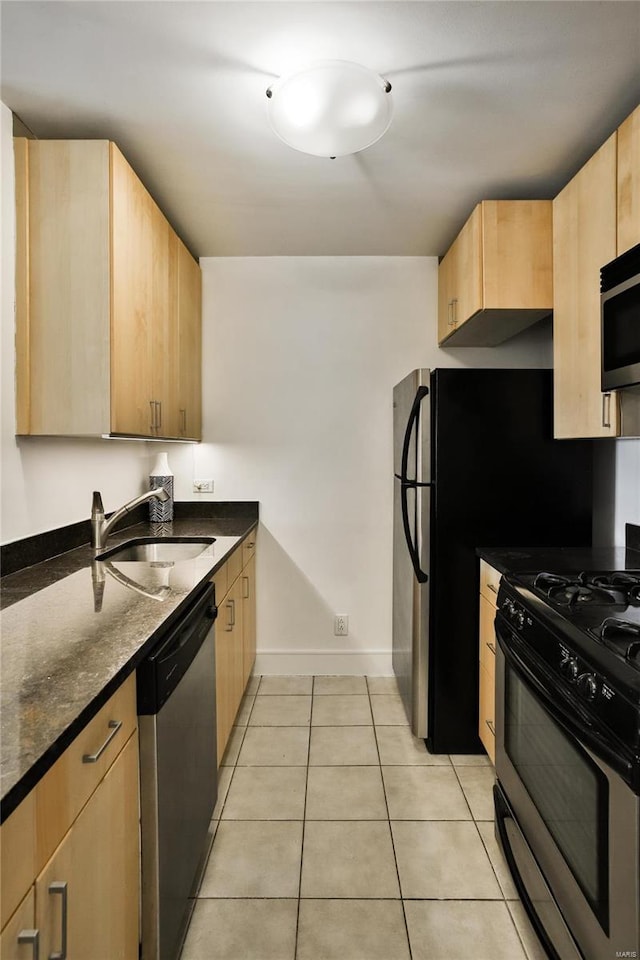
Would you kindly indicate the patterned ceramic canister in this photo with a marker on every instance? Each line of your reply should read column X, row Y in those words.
column 161, row 476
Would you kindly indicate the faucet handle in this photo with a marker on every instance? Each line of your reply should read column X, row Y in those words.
column 96, row 504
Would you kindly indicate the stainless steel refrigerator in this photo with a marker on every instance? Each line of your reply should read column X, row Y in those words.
column 475, row 465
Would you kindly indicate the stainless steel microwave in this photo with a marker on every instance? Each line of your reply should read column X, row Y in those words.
column 620, row 321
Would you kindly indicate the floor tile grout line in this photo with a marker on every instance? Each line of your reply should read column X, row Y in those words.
column 393, row 846
column 304, row 822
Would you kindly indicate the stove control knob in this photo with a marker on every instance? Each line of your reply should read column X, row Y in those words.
column 569, row 667
column 588, row 686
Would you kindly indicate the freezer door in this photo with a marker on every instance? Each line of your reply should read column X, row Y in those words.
column 411, row 603
column 411, row 427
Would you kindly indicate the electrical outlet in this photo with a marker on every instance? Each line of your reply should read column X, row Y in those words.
column 203, row 486
column 341, row 626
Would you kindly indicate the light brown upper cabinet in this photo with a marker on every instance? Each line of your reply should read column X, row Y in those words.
column 108, row 300
column 496, row 279
column 595, row 218
column 629, row 182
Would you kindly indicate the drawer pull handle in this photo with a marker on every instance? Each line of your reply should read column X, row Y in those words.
column 489, row 723
column 606, row 409
column 492, row 587
column 32, row 937
column 245, row 588
column 231, row 607
column 114, row 726
column 491, row 646
column 250, row 545
column 59, row 887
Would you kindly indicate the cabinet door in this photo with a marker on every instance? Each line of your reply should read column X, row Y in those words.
column 584, row 239
column 517, row 251
column 467, row 266
column 189, row 327
column 17, row 856
column 229, row 663
column 629, row 182
column 487, row 658
column 22, row 922
column 486, row 725
column 98, row 862
column 132, row 301
column 164, row 358
column 445, row 296
column 248, row 580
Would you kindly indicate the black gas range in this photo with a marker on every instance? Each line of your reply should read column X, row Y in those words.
column 568, row 755
column 585, row 627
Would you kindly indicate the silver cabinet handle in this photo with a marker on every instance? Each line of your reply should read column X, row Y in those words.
column 32, row 937
column 489, row 723
column 245, row 588
column 159, row 421
column 491, row 647
column 152, row 404
column 491, row 587
column 183, row 421
column 606, row 409
column 114, row 726
column 59, row 888
column 453, row 320
column 231, row 607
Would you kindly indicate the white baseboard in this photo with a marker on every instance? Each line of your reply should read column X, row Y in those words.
column 323, row 663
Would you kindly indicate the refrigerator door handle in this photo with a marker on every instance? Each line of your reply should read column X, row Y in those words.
column 421, row 576
column 406, row 484
column 421, row 393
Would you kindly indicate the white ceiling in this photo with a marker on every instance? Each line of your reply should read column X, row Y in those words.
column 492, row 100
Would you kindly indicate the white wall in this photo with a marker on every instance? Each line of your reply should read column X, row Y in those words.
column 300, row 358
column 616, row 489
column 47, row 483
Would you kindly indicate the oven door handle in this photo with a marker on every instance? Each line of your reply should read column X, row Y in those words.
column 566, row 711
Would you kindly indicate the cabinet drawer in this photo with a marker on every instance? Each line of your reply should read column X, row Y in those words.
column 487, row 635
column 489, row 581
column 221, row 583
column 487, row 713
column 248, row 548
column 65, row 789
column 18, row 856
column 234, row 566
column 22, row 920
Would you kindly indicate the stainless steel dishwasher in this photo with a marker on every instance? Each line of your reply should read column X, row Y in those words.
column 178, row 773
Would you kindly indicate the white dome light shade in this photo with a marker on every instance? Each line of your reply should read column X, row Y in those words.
column 331, row 109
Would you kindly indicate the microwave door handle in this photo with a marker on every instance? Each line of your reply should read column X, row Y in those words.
column 573, row 718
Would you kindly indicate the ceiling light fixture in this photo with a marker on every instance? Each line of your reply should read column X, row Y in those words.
column 330, row 109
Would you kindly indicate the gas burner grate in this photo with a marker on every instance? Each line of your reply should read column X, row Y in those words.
column 623, row 637
column 603, row 589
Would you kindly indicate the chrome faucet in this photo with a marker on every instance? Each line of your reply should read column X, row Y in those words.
column 101, row 528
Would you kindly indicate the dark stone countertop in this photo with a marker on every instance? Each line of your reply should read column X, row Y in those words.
column 559, row 559
column 71, row 634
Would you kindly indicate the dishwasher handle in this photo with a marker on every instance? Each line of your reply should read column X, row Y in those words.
column 159, row 675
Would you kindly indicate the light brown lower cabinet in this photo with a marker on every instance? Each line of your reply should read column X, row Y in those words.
column 87, row 894
column 70, row 850
column 489, row 580
column 229, row 663
column 248, row 619
column 20, row 939
column 235, row 636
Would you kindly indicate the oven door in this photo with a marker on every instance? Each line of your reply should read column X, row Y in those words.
column 574, row 813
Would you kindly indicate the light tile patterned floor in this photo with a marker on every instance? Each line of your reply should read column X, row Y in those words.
column 338, row 837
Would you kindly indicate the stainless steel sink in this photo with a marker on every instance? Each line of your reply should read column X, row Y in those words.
column 161, row 550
